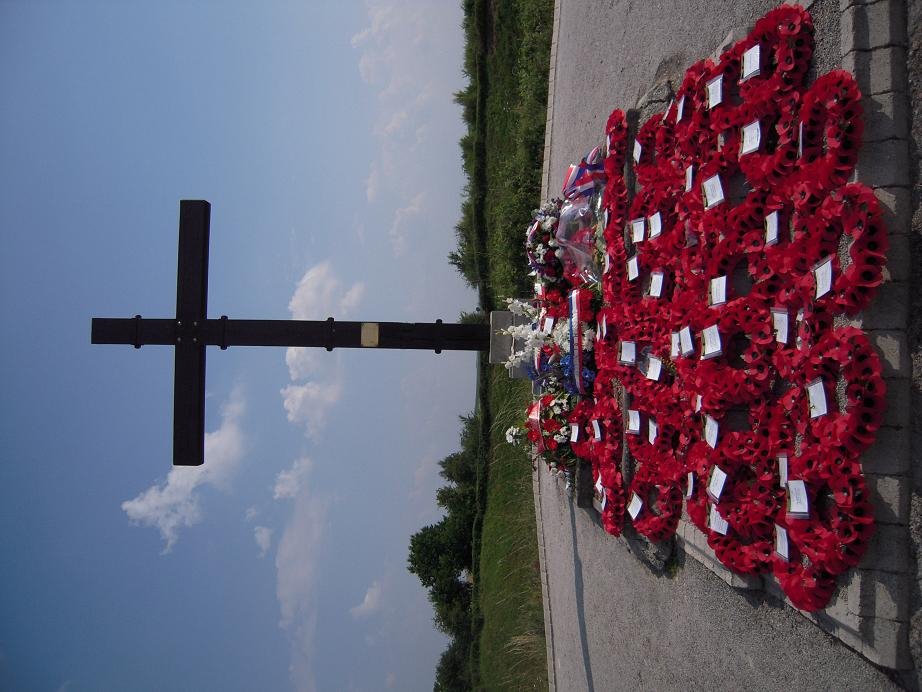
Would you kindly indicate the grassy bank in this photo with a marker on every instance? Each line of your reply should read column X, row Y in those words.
column 516, row 109
column 512, row 646
column 508, row 53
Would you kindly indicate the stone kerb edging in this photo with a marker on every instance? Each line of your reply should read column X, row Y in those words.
column 873, row 47
column 545, row 592
column 551, row 83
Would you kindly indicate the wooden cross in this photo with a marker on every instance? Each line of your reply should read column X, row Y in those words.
column 191, row 331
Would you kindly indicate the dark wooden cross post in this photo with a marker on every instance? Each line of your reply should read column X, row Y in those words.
column 191, row 331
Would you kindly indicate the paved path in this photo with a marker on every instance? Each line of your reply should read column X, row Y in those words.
column 612, row 623
column 615, row 625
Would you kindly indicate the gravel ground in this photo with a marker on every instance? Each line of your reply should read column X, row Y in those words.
column 614, row 623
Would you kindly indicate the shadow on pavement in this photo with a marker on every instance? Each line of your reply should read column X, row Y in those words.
column 580, row 612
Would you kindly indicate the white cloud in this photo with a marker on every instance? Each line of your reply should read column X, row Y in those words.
column 370, row 604
column 373, row 183
column 301, row 668
column 422, row 134
column 399, row 232
column 251, row 513
column 425, row 477
column 315, row 388
column 288, row 482
column 383, row 19
column 302, row 362
column 309, row 403
column 299, row 552
column 263, row 536
column 175, row 504
column 396, row 123
column 414, row 74
column 320, row 292
column 350, row 301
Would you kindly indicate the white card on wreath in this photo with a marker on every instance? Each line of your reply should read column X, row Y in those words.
column 698, row 401
column 715, row 91
column 628, row 355
column 711, row 429
column 752, row 137
column 633, row 421
column 654, row 368
column 638, row 227
column 716, row 483
column 656, row 224
column 607, row 263
column 637, row 151
column 781, row 542
column 717, row 523
column 823, row 275
column 686, row 341
column 816, row 393
column 674, row 345
column 771, row 228
column 596, row 430
column 798, row 500
column 689, row 178
column 633, row 268
column 656, row 284
column 574, row 432
column 635, row 506
column 783, row 470
column 780, row 324
column 711, row 346
column 652, row 431
column 718, row 290
column 800, row 139
column 548, row 325
column 713, row 192
column 751, row 62
column 680, row 108
column 690, row 485
column 604, row 326
column 600, row 490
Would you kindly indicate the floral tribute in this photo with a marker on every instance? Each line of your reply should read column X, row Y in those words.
column 713, row 294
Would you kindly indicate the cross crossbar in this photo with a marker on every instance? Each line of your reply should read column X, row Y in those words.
column 328, row 334
column 191, row 331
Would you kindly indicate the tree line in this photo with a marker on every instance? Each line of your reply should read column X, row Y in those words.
column 442, row 556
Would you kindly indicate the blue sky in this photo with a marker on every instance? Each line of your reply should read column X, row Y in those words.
column 325, row 137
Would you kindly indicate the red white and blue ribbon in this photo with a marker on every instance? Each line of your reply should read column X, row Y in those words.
column 576, row 340
column 581, row 178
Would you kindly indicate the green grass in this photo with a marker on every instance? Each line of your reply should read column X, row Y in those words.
column 512, row 644
column 509, row 652
column 507, row 58
column 516, row 111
